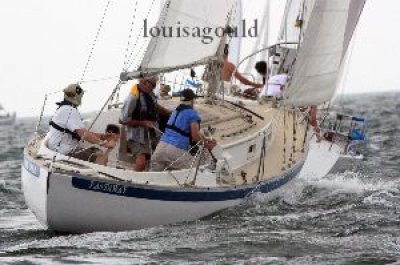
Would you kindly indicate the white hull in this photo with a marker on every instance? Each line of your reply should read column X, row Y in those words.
column 79, row 196
column 34, row 185
column 321, row 158
column 85, row 204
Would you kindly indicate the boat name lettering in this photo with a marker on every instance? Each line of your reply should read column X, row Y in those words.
column 107, row 187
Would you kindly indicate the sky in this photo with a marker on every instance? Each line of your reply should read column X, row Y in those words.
column 45, row 45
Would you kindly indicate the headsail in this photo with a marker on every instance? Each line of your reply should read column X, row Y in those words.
column 254, row 13
column 292, row 28
column 329, row 29
column 294, row 10
column 187, row 34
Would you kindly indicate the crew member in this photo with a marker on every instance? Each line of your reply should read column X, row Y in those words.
column 67, row 129
column 183, row 130
column 140, row 113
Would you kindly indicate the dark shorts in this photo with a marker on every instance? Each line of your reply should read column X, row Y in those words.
column 87, row 154
column 136, row 148
column 147, row 149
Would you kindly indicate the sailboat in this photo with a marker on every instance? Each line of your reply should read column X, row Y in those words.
column 6, row 118
column 261, row 146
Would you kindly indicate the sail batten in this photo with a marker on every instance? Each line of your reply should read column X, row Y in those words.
column 329, row 29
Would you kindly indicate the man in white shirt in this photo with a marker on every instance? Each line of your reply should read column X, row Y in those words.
column 67, row 129
column 274, row 86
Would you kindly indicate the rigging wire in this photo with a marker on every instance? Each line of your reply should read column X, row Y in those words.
column 95, row 40
column 161, row 24
column 40, row 117
column 116, row 88
column 125, row 68
column 186, row 153
column 142, row 50
column 130, row 61
column 83, row 82
column 100, row 79
column 261, row 163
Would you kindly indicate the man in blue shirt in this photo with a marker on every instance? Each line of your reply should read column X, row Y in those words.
column 183, row 129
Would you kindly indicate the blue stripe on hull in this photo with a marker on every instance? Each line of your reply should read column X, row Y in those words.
column 178, row 194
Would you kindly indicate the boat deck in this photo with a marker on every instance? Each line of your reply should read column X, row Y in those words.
column 284, row 150
column 230, row 125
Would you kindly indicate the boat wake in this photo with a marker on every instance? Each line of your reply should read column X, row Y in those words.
column 329, row 210
column 305, row 200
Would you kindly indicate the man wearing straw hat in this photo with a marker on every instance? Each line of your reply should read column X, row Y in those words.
column 67, row 129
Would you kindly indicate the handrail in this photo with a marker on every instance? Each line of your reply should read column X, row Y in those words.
column 249, row 74
column 261, row 50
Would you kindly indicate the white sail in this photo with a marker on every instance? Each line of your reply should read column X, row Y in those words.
column 189, row 33
column 257, row 10
column 235, row 43
column 329, row 29
column 284, row 55
column 355, row 10
column 255, row 13
column 289, row 31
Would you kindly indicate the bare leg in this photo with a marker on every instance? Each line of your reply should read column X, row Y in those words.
column 102, row 158
column 314, row 122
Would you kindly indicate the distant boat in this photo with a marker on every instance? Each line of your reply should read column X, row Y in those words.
column 6, row 118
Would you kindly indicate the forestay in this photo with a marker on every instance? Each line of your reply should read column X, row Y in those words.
column 191, row 18
column 329, row 29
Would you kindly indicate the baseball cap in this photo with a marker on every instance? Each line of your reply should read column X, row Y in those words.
column 187, row 95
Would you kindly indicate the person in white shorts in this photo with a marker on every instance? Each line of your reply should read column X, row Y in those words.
column 275, row 86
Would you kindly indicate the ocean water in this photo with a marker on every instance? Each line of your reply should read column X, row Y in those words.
column 349, row 217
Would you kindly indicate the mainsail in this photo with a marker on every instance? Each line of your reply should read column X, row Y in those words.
column 189, row 34
column 328, row 32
